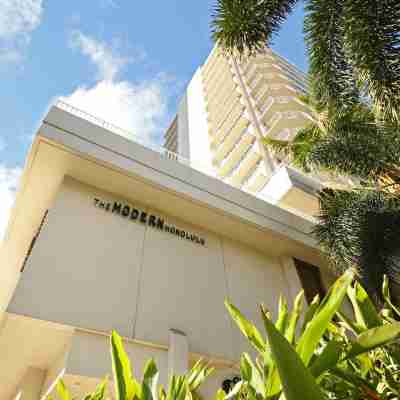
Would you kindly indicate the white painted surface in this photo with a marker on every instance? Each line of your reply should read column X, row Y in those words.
column 183, row 128
column 199, row 143
column 178, row 353
column 97, row 270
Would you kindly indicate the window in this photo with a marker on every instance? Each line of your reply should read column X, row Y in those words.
column 310, row 278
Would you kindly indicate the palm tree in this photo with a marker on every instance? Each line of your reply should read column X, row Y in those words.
column 354, row 55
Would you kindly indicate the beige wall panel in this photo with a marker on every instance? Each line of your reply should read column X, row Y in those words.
column 183, row 287
column 90, row 357
column 253, row 279
column 84, row 266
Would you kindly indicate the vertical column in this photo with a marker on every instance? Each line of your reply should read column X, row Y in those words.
column 268, row 159
column 178, row 353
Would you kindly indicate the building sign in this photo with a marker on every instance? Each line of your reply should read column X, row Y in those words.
column 133, row 214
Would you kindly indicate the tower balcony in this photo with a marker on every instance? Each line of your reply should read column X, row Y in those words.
column 235, row 127
column 281, row 104
column 287, row 120
column 266, row 80
column 246, row 166
column 277, row 89
column 256, row 180
column 235, row 156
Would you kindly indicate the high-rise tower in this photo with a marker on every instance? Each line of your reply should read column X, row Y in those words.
column 229, row 106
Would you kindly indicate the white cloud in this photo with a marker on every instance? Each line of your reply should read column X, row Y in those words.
column 108, row 63
column 140, row 108
column 18, row 18
column 9, row 178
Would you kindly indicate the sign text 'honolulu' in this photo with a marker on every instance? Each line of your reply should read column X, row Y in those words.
column 153, row 221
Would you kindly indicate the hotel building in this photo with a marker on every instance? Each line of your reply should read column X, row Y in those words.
column 230, row 105
column 109, row 234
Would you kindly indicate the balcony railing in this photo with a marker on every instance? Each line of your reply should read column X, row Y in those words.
column 162, row 151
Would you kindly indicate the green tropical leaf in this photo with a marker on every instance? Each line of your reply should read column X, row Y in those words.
column 282, row 314
column 323, row 316
column 364, row 310
column 386, row 296
column 297, row 380
column 328, row 359
column 220, row 395
column 312, row 308
column 248, row 329
column 349, row 324
column 125, row 387
column 245, row 28
column 198, row 374
column 100, row 391
column 373, row 338
column 294, row 318
column 251, row 374
column 62, row 390
column 150, row 380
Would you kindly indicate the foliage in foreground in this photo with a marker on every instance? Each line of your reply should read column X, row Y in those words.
column 127, row 387
column 353, row 48
column 326, row 356
column 309, row 354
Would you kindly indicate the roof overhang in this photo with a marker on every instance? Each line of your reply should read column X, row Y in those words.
column 68, row 145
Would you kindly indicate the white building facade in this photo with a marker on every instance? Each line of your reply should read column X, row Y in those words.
column 229, row 106
column 108, row 234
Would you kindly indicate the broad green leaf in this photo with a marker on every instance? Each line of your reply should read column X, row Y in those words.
column 220, row 395
column 123, row 381
column 251, row 374
column 62, row 390
column 312, row 308
column 386, row 296
column 146, row 393
column 369, row 313
column 273, row 383
column 373, row 338
column 349, row 324
column 162, row 394
column 150, row 380
column 282, row 314
column 235, row 391
column 294, row 318
column 390, row 381
column 178, row 388
column 327, row 359
column 198, row 374
column 363, row 385
column 245, row 367
column 246, row 327
column 100, row 390
column 297, row 380
column 365, row 364
column 324, row 314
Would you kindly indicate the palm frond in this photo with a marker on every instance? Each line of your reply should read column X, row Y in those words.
column 246, row 26
column 299, row 149
column 372, row 36
column 332, row 77
column 361, row 228
column 357, row 145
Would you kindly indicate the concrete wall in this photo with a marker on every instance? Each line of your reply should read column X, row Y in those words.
column 97, row 270
column 199, row 142
column 183, row 128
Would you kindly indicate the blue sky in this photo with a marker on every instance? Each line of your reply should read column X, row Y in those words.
column 126, row 61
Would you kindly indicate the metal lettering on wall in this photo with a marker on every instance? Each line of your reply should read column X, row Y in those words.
column 153, row 221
